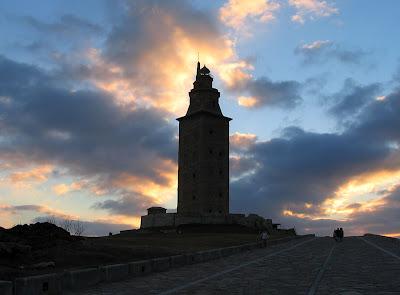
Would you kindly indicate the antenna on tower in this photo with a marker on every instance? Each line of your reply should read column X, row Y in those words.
column 198, row 65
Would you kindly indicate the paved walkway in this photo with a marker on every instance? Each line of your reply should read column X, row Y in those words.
column 358, row 265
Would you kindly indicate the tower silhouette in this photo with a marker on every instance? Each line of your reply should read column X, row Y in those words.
column 203, row 173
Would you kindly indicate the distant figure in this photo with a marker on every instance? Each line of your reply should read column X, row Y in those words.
column 336, row 234
column 264, row 237
column 341, row 234
column 110, row 234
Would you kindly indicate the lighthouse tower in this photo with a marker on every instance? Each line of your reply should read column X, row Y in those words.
column 203, row 173
column 203, row 167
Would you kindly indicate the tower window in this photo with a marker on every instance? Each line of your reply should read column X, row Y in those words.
column 209, row 211
column 194, row 197
column 220, row 195
column 220, row 211
column 194, row 175
column 220, row 171
column 210, row 131
column 220, row 153
column 210, row 151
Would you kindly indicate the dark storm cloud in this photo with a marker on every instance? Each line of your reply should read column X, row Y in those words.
column 145, row 28
column 305, row 167
column 67, row 24
column 15, row 209
column 380, row 120
column 241, row 165
column 324, row 51
column 150, row 26
column 302, row 167
column 285, row 94
column 127, row 205
column 85, row 131
column 384, row 219
column 352, row 98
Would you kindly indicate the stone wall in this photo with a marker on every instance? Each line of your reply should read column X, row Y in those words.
column 174, row 220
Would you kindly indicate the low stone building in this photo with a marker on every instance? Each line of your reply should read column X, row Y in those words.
column 157, row 220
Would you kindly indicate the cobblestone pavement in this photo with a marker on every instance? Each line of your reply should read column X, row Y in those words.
column 359, row 268
column 312, row 266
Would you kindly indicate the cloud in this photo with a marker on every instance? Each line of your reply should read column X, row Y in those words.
column 240, row 141
column 380, row 219
column 352, row 98
column 150, row 55
column 320, row 180
column 15, row 209
column 131, row 205
column 66, row 25
column 235, row 13
column 311, row 9
column 264, row 92
column 239, row 166
column 322, row 51
column 84, row 131
column 36, row 174
column 153, row 51
column 61, row 189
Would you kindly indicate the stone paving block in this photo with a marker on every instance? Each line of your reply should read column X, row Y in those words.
column 253, row 246
column 161, row 264
column 44, row 284
column 190, row 259
column 6, row 287
column 198, row 257
column 227, row 251
column 77, row 279
column 178, row 260
column 140, row 268
column 211, row 254
column 247, row 247
column 114, row 272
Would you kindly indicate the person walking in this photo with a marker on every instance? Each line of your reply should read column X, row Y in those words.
column 336, row 234
column 341, row 234
column 264, row 237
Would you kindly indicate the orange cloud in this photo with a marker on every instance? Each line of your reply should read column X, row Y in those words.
column 392, row 235
column 311, row 9
column 242, row 140
column 36, row 174
column 236, row 12
column 160, row 193
column 364, row 193
column 63, row 188
column 160, row 73
column 247, row 101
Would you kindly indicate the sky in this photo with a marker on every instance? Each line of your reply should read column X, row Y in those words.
column 90, row 90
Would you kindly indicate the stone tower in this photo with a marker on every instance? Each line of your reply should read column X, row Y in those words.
column 203, row 173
